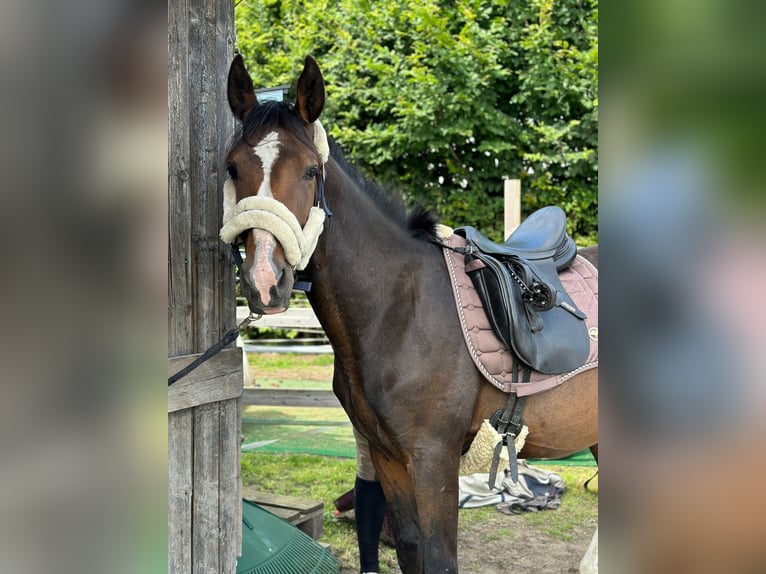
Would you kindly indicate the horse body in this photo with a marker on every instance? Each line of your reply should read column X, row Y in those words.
column 402, row 371
column 380, row 295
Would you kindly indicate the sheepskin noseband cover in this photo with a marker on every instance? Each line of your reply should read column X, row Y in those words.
column 273, row 216
column 267, row 213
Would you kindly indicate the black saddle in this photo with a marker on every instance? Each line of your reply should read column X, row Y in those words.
column 521, row 292
column 542, row 235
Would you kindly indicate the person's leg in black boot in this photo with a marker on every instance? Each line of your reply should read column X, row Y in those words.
column 369, row 509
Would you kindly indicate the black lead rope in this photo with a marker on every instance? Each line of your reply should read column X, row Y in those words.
column 230, row 336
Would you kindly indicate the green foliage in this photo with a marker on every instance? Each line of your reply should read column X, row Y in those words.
column 444, row 99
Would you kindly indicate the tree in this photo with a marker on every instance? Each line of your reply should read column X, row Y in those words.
column 444, row 99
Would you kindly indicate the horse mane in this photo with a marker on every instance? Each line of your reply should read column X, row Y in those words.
column 420, row 222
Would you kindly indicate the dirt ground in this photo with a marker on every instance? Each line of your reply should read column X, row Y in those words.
column 504, row 544
column 519, row 548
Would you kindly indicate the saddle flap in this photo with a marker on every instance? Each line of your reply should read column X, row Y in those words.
column 550, row 339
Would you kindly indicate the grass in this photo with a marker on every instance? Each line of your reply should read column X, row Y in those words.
column 325, row 478
column 315, row 478
column 277, row 383
column 276, row 361
column 291, row 370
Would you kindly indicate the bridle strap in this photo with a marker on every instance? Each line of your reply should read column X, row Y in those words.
column 320, row 196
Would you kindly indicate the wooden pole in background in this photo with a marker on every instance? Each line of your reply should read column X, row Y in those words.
column 512, row 202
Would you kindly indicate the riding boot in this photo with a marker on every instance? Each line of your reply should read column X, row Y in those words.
column 369, row 509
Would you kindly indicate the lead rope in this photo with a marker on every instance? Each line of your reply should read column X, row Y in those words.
column 228, row 337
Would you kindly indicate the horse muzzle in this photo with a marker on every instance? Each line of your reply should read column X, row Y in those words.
column 267, row 278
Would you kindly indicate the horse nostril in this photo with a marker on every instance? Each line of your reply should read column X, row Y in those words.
column 284, row 279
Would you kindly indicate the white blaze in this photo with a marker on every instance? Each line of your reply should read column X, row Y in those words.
column 268, row 152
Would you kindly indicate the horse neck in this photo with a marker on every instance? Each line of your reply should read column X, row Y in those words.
column 358, row 265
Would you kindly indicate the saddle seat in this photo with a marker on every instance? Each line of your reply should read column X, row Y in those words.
column 542, row 235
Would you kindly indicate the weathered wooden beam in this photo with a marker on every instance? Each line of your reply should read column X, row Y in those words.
column 217, row 379
column 180, row 489
column 289, row 397
column 292, row 318
column 512, row 205
column 306, row 515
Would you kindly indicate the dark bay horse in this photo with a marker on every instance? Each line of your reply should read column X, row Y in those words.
column 382, row 293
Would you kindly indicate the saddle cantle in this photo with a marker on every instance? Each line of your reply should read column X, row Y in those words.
column 526, row 304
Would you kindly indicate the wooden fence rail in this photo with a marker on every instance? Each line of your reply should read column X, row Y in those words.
column 289, row 397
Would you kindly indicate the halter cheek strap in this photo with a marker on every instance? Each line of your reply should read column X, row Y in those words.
column 323, row 148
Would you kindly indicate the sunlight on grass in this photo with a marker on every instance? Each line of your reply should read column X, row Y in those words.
column 270, row 361
column 579, row 508
column 284, row 383
column 254, row 412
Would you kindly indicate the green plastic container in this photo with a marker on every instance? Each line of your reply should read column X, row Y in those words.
column 271, row 545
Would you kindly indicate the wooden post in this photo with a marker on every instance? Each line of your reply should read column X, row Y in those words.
column 204, row 482
column 512, row 202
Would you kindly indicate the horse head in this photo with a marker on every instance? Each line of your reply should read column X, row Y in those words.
column 273, row 196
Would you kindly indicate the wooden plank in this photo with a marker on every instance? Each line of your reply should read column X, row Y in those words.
column 217, row 379
column 180, row 340
column 180, row 315
column 179, row 491
column 289, row 514
column 281, row 500
column 209, row 263
column 307, row 515
column 289, row 397
column 230, row 485
column 512, row 205
column 205, row 524
column 292, row 318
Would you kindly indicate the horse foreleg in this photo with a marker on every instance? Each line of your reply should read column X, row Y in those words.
column 423, row 500
column 435, row 483
column 397, row 486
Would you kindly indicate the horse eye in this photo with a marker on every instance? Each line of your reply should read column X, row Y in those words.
column 232, row 169
column 311, row 172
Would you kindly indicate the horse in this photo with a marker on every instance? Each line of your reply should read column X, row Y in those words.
column 381, row 291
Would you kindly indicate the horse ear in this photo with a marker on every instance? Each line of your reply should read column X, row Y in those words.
column 241, row 92
column 309, row 99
